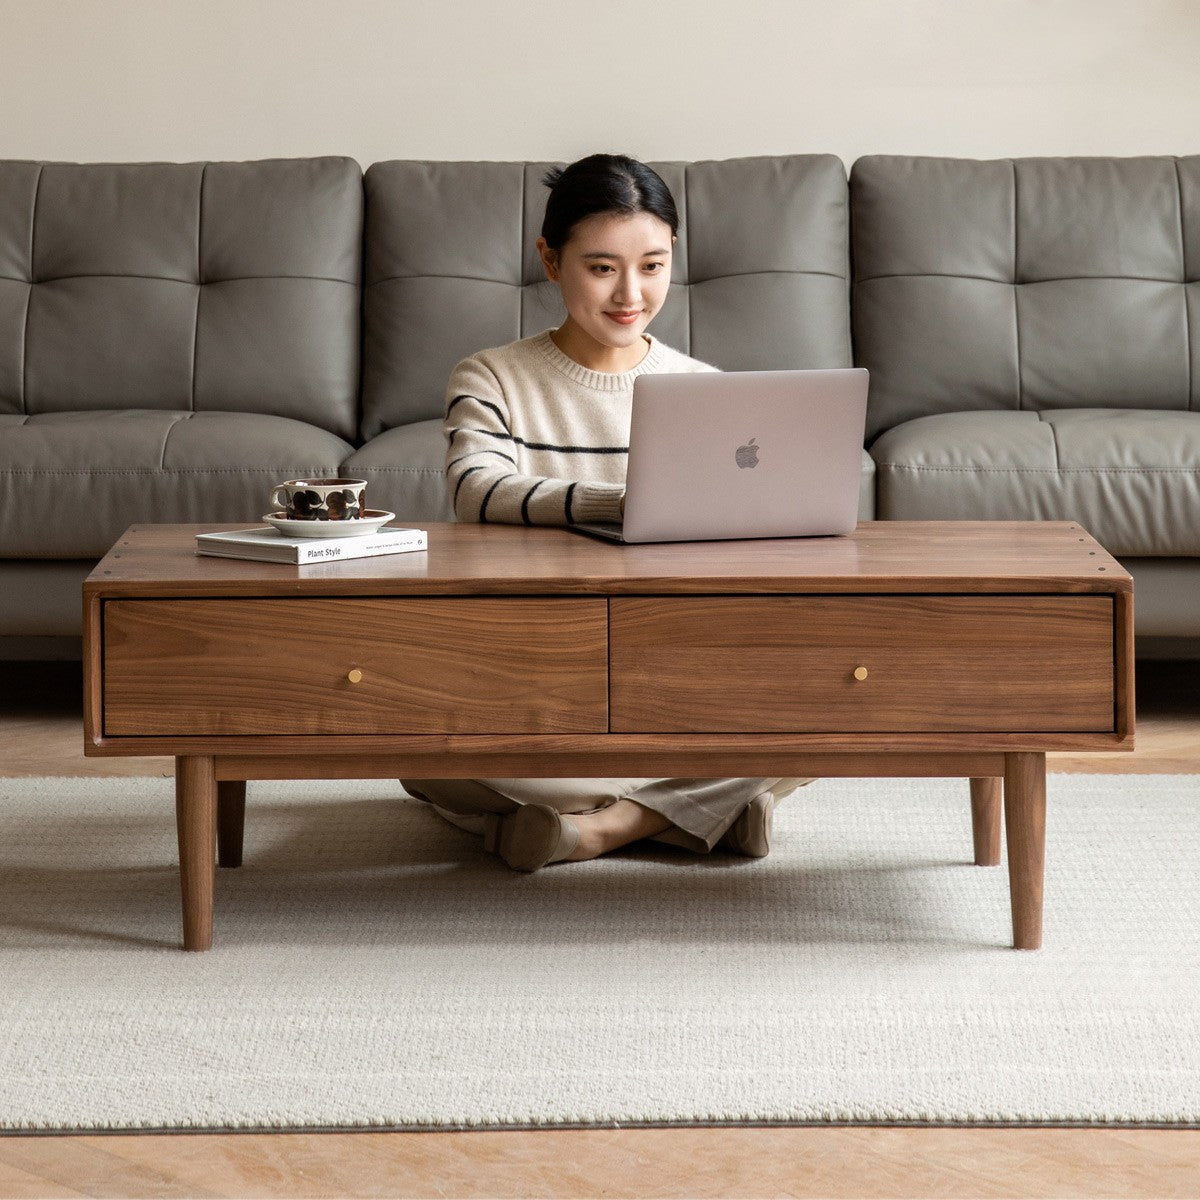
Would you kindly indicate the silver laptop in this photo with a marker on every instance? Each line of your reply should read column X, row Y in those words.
column 742, row 454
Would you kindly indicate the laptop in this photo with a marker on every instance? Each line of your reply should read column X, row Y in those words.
column 742, row 454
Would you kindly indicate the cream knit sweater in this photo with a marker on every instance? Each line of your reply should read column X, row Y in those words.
column 534, row 438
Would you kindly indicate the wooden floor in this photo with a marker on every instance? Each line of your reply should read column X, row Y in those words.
column 41, row 734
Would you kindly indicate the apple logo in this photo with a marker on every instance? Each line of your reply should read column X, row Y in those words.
column 747, row 455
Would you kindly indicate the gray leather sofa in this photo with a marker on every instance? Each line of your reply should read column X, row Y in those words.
column 173, row 338
column 1032, row 328
column 176, row 337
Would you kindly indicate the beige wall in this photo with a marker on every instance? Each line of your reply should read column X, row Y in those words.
column 375, row 79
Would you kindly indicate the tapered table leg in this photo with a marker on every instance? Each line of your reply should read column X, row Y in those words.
column 985, row 820
column 1025, row 820
column 196, row 822
column 231, row 821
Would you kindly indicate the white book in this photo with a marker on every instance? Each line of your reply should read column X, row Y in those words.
column 267, row 545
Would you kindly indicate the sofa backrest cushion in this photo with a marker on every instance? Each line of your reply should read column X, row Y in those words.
column 182, row 286
column 760, row 276
column 1026, row 284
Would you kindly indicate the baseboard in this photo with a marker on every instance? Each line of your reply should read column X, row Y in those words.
column 41, row 649
column 1167, row 647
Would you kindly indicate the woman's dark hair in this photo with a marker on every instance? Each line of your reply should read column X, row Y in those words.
column 603, row 183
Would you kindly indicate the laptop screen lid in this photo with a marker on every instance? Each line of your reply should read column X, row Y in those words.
column 745, row 454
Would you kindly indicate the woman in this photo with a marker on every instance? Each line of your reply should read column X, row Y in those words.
column 537, row 433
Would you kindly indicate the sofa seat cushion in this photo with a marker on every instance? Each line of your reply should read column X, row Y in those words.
column 72, row 482
column 1131, row 477
column 405, row 472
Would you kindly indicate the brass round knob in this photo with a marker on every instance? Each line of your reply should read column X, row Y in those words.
column 860, row 673
column 355, row 676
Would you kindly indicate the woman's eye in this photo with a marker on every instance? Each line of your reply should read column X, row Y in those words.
column 654, row 267
column 601, row 269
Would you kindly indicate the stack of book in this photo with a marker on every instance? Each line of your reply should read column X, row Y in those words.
column 267, row 545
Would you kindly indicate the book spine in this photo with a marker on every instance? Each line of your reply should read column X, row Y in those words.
column 345, row 548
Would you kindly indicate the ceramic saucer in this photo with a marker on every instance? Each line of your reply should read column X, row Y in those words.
column 372, row 520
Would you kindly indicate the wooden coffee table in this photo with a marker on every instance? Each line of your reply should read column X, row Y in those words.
column 963, row 649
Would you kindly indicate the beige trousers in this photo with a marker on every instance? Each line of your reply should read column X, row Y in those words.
column 700, row 810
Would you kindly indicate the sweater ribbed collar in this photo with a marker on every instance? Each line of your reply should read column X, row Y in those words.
column 601, row 381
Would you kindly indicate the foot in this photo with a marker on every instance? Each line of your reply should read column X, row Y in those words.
column 532, row 837
column 750, row 834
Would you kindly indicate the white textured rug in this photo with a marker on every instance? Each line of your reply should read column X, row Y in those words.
column 373, row 967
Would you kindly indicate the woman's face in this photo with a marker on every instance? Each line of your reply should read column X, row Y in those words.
column 614, row 271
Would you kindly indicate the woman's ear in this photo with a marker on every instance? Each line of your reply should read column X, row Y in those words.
column 549, row 260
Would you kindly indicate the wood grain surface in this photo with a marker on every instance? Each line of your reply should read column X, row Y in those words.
column 844, row 1162
column 196, row 824
column 923, row 663
column 428, row 665
column 1025, row 829
column 584, row 753
column 911, row 556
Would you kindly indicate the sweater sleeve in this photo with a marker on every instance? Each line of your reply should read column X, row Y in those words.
column 485, row 480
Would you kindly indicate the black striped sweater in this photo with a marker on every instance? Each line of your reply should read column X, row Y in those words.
column 534, row 438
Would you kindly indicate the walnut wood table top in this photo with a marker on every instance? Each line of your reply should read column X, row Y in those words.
column 910, row 556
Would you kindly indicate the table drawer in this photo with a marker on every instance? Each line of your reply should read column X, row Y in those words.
column 429, row 665
column 769, row 664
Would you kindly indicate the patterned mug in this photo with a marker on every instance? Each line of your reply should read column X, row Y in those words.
column 321, row 499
